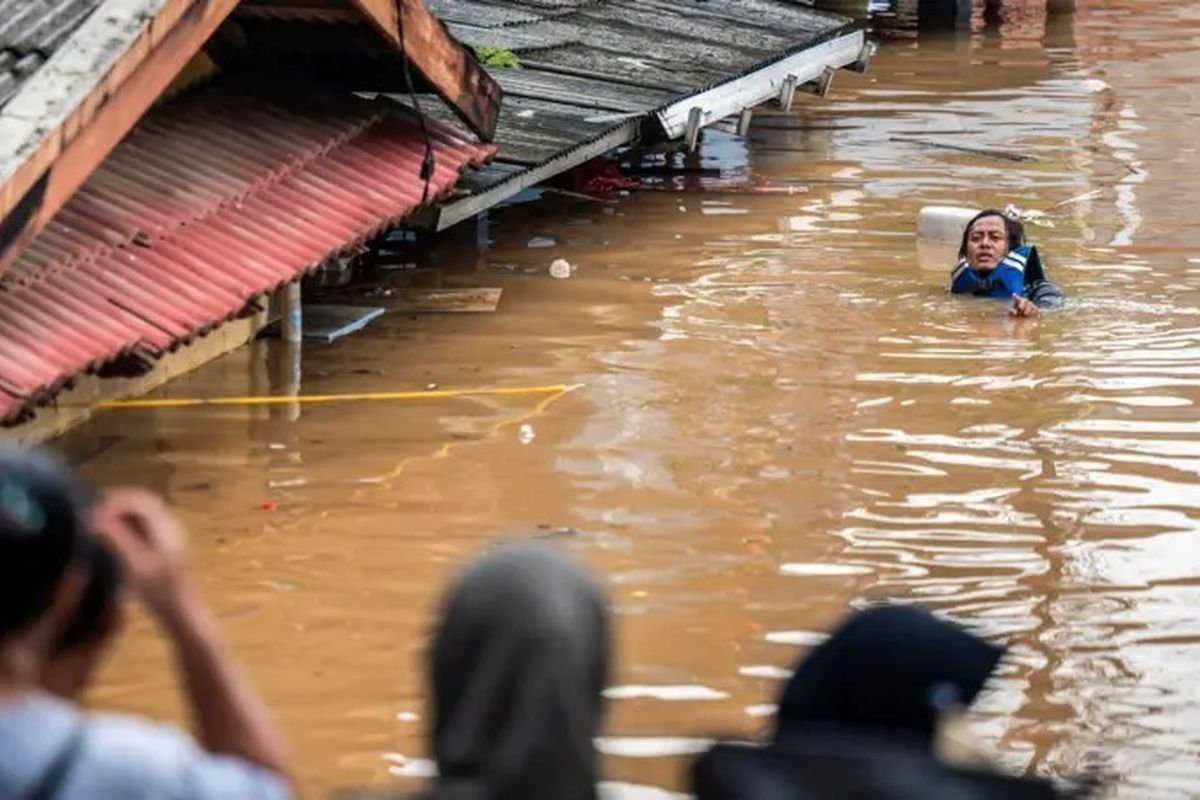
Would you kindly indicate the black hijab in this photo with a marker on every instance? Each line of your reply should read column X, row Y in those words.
column 891, row 669
column 857, row 720
column 519, row 663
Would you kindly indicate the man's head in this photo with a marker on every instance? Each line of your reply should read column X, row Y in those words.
column 988, row 237
column 43, row 521
column 83, row 641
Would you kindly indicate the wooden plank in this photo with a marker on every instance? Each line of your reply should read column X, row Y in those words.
column 444, row 62
column 328, row 323
column 77, row 133
column 465, row 300
column 383, row 15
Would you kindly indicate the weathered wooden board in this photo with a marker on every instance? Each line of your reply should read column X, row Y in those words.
column 449, row 300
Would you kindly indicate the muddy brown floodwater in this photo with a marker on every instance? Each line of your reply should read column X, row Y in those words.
column 782, row 416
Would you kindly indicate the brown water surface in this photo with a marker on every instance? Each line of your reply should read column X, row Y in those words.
column 782, row 416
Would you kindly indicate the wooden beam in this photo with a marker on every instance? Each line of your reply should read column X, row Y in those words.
column 864, row 58
column 297, row 12
column 744, row 119
column 383, row 15
column 820, row 85
column 787, row 92
column 85, row 133
column 450, row 300
column 441, row 59
column 691, row 134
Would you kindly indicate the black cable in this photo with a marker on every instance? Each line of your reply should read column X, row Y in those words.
column 427, row 162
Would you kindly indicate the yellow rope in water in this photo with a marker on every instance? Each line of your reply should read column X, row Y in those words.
column 268, row 400
column 448, row 447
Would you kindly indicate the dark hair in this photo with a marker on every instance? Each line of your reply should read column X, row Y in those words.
column 1012, row 227
column 99, row 598
column 43, row 510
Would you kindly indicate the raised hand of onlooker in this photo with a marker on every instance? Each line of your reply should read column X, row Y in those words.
column 149, row 540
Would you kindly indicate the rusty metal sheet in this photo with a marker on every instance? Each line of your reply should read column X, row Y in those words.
column 210, row 202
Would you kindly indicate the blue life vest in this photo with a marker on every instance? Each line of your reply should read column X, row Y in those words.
column 1019, row 273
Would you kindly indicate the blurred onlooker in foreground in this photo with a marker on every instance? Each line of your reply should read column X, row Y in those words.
column 518, row 665
column 866, row 715
column 79, row 646
column 888, row 670
column 59, row 609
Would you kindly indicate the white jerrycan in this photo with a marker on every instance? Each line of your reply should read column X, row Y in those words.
column 939, row 233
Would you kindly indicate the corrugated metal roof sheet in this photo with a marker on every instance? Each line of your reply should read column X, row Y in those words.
column 30, row 32
column 589, row 64
column 210, row 202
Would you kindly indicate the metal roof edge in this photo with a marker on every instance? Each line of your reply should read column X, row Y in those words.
column 838, row 49
column 44, row 102
column 459, row 210
column 843, row 47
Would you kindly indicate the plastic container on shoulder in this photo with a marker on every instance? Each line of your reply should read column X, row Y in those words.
column 939, row 234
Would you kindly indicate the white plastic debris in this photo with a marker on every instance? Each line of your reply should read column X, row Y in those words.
column 561, row 268
column 1029, row 216
column 944, row 223
column 525, row 434
column 939, row 232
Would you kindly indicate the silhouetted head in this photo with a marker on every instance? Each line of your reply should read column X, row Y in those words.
column 84, row 639
column 43, row 519
column 890, row 669
column 988, row 237
column 518, row 666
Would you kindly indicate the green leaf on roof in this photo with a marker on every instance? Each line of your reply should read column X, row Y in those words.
column 491, row 56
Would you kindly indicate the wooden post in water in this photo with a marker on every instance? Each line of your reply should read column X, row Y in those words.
column 291, row 321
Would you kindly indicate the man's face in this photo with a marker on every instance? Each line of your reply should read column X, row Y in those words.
column 987, row 243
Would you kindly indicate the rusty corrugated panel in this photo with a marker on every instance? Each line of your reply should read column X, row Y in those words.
column 210, row 202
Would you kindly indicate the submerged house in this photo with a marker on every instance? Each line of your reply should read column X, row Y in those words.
column 594, row 75
column 157, row 183
column 166, row 165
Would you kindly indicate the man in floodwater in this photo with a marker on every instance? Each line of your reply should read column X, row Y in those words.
column 995, row 261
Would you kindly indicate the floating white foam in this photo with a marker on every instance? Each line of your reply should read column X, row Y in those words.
column 765, row 671
column 402, row 766
column 801, row 638
column 651, row 746
column 796, row 568
column 762, row 710
column 678, row 692
column 615, row 790
column 1142, row 400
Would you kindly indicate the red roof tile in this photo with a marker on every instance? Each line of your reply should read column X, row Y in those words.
column 210, row 202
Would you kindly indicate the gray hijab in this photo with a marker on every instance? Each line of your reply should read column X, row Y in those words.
column 518, row 665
